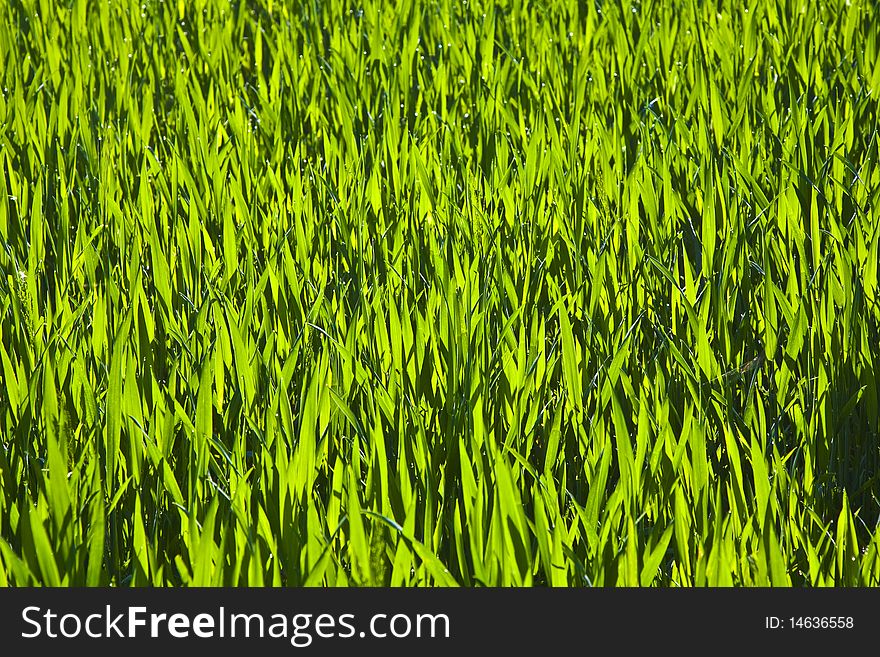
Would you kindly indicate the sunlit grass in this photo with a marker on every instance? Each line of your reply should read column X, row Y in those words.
column 438, row 293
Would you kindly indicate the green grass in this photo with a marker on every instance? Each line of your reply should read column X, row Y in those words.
column 439, row 293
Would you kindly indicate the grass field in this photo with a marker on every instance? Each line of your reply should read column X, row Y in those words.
column 466, row 293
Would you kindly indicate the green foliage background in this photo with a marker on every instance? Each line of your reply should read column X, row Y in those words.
column 325, row 292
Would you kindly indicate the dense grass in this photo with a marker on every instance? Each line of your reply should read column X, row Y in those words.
column 439, row 292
